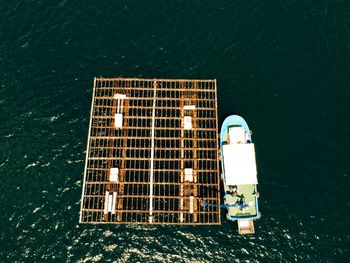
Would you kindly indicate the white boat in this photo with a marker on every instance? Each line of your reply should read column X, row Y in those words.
column 239, row 173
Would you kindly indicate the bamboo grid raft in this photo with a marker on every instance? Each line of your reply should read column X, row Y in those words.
column 152, row 153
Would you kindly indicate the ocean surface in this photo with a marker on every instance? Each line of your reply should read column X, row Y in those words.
column 283, row 65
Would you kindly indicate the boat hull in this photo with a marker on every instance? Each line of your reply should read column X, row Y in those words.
column 235, row 212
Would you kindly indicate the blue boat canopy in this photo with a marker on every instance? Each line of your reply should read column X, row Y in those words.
column 239, row 164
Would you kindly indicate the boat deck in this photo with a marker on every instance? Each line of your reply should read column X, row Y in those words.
column 248, row 192
column 152, row 153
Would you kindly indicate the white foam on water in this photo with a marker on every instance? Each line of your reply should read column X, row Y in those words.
column 287, row 236
column 36, row 210
column 110, row 247
column 31, row 165
column 244, row 251
column 108, row 233
column 95, row 258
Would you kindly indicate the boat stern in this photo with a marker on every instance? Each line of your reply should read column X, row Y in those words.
column 246, row 226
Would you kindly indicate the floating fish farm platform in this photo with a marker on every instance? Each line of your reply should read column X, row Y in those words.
column 152, row 153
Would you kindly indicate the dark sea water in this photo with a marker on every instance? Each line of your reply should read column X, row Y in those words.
column 282, row 65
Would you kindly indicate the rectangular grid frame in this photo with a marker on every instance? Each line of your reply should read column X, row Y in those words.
column 151, row 151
